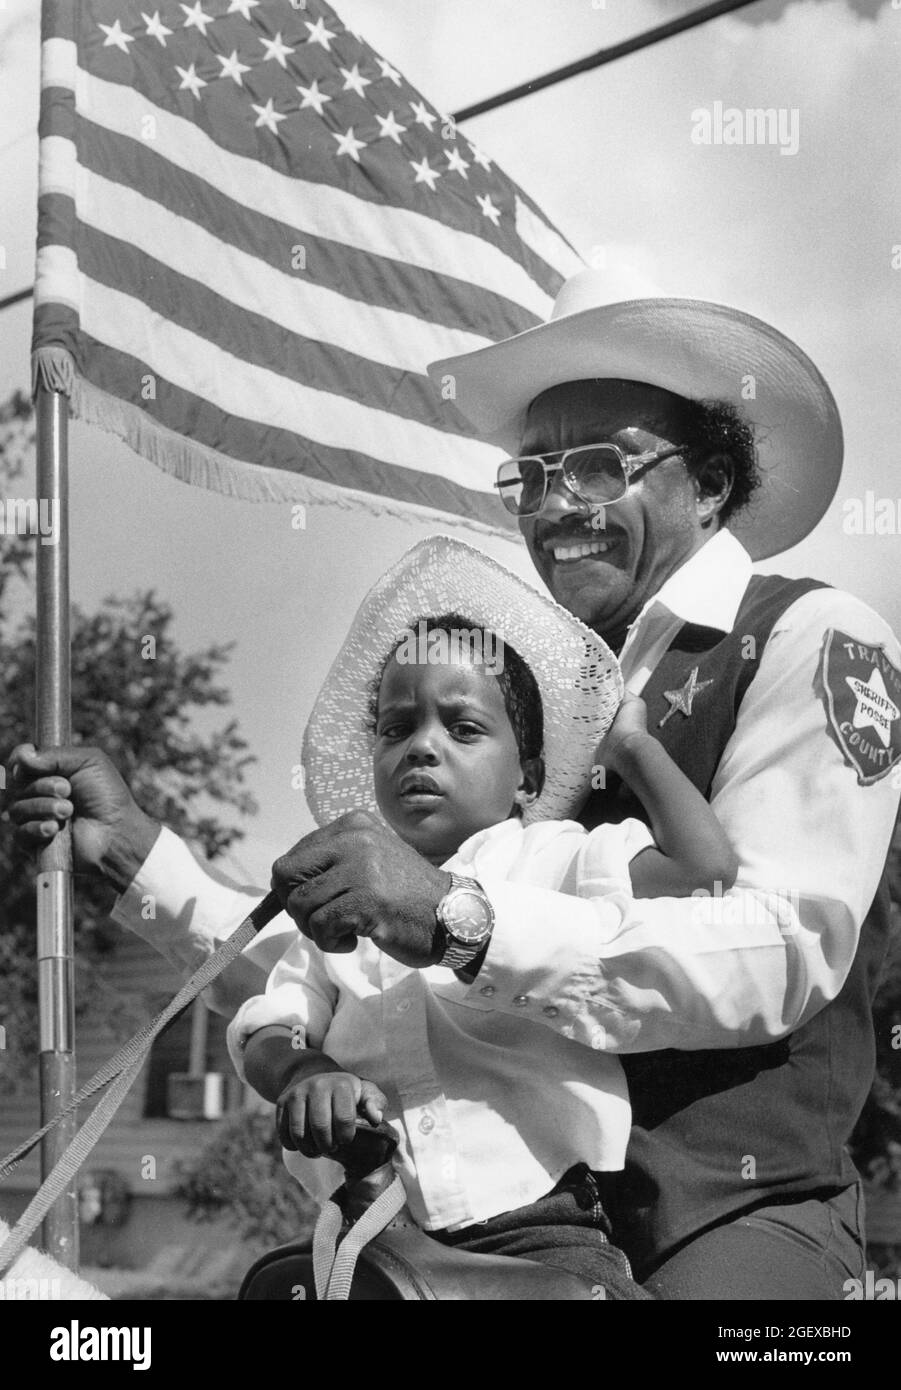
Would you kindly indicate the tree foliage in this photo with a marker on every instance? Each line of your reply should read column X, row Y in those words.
column 137, row 696
column 240, row 1173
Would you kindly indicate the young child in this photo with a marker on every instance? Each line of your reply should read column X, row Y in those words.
column 474, row 732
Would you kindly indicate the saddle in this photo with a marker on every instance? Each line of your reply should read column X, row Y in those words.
column 359, row 1252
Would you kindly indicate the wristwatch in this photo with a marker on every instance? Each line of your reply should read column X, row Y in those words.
column 465, row 921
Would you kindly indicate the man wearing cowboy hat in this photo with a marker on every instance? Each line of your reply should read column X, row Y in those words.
column 659, row 447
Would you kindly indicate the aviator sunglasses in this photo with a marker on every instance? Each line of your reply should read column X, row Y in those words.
column 598, row 474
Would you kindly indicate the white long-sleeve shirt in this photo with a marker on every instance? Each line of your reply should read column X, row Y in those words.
column 489, row 1109
column 666, row 972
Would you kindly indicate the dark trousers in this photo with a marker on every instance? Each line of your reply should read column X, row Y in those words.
column 788, row 1251
column 568, row 1228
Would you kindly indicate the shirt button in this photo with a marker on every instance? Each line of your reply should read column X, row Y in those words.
column 487, row 990
column 426, row 1124
column 521, row 1000
column 551, row 1010
column 403, row 1006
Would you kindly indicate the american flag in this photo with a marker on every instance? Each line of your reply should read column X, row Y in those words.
column 254, row 235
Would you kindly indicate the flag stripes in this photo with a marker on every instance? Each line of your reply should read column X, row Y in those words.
column 254, row 236
column 208, row 437
column 393, row 337
column 443, row 300
column 399, row 233
column 155, row 284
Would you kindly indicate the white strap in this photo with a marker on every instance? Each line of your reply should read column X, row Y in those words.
column 121, row 1070
column 325, row 1242
column 67, row 1166
column 333, row 1271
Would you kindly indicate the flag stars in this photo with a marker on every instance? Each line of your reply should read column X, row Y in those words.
column 233, row 67
column 190, row 81
column 479, row 157
column 156, row 29
column 354, row 81
column 277, row 50
column 268, row 116
column 390, row 129
column 488, row 208
column 349, row 144
column 242, row 7
column 196, row 18
column 115, row 37
column 313, row 97
column 319, row 34
column 425, row 173
column 389, row 72
column 457, row 163
column 423, row 115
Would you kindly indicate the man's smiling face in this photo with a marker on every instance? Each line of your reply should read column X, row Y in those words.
column 646, row 536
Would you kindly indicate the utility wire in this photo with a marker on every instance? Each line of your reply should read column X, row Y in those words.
column 605, row 55
column 15, row 298
column 550, row 79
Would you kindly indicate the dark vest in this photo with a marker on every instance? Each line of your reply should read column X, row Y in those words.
column 789, row 1106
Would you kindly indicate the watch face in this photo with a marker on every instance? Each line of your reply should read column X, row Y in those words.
column 467, row 915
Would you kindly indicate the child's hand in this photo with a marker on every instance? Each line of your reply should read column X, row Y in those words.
column 318, row 1113
column 631, row 722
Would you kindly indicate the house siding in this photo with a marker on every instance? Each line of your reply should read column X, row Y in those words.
column 135, row 972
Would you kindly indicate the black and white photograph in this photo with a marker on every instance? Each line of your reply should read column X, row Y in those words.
column 450, row 711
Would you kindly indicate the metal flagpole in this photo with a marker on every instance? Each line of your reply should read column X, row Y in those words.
column 55, row 946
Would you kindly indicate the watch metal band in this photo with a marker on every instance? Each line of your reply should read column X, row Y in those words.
column 460, row 953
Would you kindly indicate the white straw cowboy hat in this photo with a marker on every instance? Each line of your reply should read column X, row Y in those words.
column 693, row 348
column 577, row 674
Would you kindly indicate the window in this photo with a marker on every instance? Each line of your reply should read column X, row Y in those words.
column 191, row 1049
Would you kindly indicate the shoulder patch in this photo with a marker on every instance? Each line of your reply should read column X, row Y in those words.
column 861, row 691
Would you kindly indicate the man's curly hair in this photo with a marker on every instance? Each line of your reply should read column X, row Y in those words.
column 717, row 427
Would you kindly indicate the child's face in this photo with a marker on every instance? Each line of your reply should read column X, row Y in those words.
column 446, row 762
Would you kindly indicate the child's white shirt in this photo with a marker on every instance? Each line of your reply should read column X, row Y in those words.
column 490, row 1109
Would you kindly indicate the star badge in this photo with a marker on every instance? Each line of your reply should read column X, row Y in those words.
column 874, row 708
column 861, row 690
column 681, row 700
